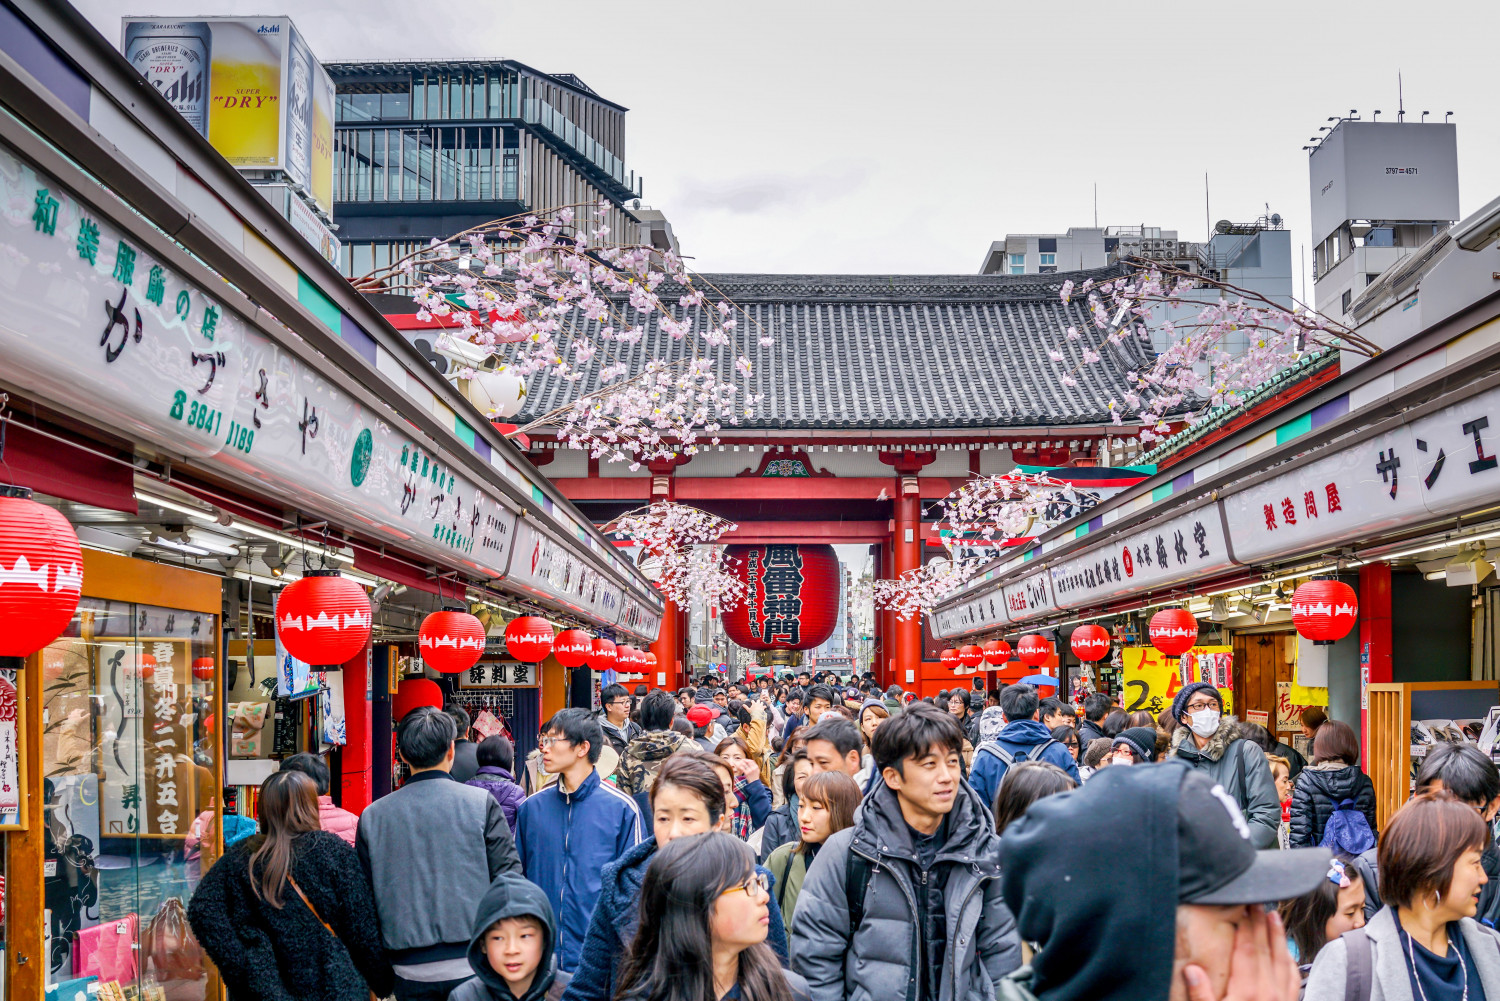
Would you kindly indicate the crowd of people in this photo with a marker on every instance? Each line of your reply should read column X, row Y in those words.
column 826, row 841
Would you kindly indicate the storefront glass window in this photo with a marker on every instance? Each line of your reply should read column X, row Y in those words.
column 129, row 759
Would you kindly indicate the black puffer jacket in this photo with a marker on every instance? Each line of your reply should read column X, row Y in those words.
column 285, row 954
column 1318, row 792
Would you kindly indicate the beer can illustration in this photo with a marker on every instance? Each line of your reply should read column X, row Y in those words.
column 299, row 110
column 174, row 56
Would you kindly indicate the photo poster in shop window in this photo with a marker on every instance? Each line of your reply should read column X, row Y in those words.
column 1149, row 679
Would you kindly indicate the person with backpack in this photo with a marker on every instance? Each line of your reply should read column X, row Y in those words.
column 1332, row 796
column 906, row 903
column 1023, row 738
column 1214, row 743
column 288, row 913
column 1425, row 942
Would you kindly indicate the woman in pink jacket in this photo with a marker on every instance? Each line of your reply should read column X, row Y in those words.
column 335, row 821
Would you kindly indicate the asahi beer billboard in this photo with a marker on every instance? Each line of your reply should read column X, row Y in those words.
column 250, row 85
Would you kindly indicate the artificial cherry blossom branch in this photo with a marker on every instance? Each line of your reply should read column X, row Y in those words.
column 680, row 539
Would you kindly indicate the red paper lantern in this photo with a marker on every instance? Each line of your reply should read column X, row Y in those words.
column 793, row 601
column 145, row 666
column 949, row 659
column 573, row 648
column 529, row 638
column 1324, row 610
column 1173, row 631
column 650, row 659
column 1090, row 642
column 604, row 656
column 451, row 642
column 323, row 619
column 41, row 573
column 414, row 693
column 203, row 668
column 996, row 652
column 1033, row 650
column 970, row 656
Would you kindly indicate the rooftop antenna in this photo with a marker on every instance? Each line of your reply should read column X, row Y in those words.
column 1447, row 115
column 1424, row 116
column 1400, row 99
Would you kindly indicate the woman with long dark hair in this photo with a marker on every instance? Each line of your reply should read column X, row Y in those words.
column 711, row 909
column 289, row 911
column 826, row 806
column 687, row 798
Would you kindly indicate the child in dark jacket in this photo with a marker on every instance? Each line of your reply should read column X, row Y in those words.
column 497, row 756
column 511, row 952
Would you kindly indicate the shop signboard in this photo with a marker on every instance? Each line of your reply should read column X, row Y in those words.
column 495, row 672
column 1187, row 546
column 1149, row 679
column 91, row 321
column 986, row 611
column 1028, row 597
column 250, row 85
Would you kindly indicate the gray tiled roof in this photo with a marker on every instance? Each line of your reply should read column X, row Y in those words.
column 892, row 352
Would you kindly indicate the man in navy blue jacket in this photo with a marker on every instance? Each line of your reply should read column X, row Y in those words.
column 569, row 831
column 1023, row 738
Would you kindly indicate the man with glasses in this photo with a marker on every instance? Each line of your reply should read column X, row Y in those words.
column 1469, row 774
column 567, row 833
column 614, row 717
column 1212, row 742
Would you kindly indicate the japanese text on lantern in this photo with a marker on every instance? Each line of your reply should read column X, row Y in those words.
column 782, row 606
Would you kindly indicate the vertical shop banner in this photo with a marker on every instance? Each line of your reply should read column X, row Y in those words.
column 10, row 750
column 1149, row 679
column 1288, row 710
column 331, row 710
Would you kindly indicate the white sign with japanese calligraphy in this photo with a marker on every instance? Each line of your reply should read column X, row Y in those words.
column 978, row 614
column 1189, row 545
column 500, row 674
column 1331, row 500
column 1028, row 597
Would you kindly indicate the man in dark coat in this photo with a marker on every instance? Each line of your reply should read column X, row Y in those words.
column 1213, row 742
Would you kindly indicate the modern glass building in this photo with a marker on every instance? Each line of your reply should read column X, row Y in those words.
column 424, row 150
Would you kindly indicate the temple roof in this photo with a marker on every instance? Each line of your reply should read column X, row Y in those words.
column 899, row 352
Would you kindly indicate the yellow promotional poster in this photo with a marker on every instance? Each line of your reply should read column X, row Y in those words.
column 321, row 182
column 1150, row 679
column 244, row 111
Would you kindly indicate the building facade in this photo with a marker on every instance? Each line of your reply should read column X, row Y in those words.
column 426, row 150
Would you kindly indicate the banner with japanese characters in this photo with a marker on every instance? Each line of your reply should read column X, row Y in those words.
column 494, row 673
column 1149, row 679
column 1187, row 546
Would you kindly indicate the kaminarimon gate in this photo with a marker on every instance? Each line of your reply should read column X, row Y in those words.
column 882, row 393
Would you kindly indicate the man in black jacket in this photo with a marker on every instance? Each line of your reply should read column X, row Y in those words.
column 427, row 898
column 465, row 751
column 614, row 718
column 1095, row 708
column 1469, row 774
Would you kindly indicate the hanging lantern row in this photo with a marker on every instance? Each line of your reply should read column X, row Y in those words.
column 323, row 619
column 573, row 648
column 970, row 657
column 451, row 642
column 604, row 655
column 1033, row 650
column 529, row 638
column 41, row 573
column 996, row 652
column 1090, row 642
column 1173, row 631
column 1324, row 610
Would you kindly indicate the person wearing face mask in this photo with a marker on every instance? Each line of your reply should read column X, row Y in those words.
column 687, row 798
column 1210, row 741
column 1135, row 745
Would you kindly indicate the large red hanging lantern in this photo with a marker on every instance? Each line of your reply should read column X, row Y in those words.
column 1173, row 631
column 793, row 601
column 630, row 663
column 573, row 648
column 323, row 619
column 1324, row 610
column 1033, row 650
column 529, row 638
column 203, row 668
column 996, row 652
column 414, row 693
column 1090, row 642
column 970, row 656
column 604, row 656
column 949, row 659
column 451, row 641
column 41, row 573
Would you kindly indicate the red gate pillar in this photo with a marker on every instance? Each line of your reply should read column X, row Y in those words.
column 356, row 756
column 1374, row 640
column 906, row 552
column 668, row 646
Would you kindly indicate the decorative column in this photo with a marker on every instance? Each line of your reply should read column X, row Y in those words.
column 668, row 646
column 356, row 758
column 1374, row 641
column 906, row 553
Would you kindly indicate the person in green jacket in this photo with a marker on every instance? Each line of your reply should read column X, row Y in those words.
column 827, row 806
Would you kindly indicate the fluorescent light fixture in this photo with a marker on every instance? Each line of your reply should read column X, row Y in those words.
column 240, row 525
column 1436, row 575
column 181, row 547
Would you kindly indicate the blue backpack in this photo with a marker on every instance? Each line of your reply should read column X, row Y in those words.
column 1348, row 831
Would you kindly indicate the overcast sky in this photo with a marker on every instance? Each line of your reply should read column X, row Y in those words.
column 834, row 136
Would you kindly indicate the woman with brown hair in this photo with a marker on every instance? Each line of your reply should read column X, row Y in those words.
column 288, row 913
column 1425, row 942
column 826, row 806
column 1333, row 783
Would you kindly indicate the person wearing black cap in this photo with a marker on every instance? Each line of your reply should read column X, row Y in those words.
column 1210, row 741
column 1134, row 746
column 1191, row 926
